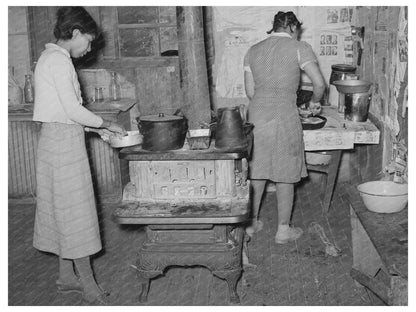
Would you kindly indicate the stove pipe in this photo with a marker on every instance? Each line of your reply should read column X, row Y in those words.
column 193, row 67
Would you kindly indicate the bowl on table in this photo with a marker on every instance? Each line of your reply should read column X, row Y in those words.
column 313, row 122
column 384, row 196
column 352, row 86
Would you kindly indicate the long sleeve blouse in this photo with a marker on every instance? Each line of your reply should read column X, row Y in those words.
column 57, row 90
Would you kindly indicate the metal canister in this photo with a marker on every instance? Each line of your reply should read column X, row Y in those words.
column 339, row 72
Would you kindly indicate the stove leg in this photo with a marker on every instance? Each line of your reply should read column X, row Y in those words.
column 231, row 278
column 145, row 283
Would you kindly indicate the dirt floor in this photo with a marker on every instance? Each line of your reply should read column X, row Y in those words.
column 297, row 274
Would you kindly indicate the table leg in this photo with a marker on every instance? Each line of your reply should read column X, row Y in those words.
column 331, row 178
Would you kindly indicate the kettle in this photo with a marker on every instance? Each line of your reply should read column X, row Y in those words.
column 230, row 131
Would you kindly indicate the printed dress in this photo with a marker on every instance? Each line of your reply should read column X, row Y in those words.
column 278, row 148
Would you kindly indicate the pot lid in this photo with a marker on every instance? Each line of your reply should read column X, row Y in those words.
column 344, row 68
column 160, row 117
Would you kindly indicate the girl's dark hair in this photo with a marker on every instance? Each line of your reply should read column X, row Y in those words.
column 285, row 20
column 70, row 18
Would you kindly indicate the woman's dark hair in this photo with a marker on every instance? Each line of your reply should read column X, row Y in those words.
column 285, row 20
column 70, row 18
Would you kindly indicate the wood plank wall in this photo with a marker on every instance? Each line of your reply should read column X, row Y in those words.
column 105, row 169
column 23, row 138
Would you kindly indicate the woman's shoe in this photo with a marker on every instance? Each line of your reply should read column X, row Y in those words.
column 256, row 226
column 289, row 235
column 69, row 287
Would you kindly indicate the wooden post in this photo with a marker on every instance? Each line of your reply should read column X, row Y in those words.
column 192, row 64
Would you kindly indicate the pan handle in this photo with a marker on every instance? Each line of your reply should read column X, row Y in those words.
column 88, row 129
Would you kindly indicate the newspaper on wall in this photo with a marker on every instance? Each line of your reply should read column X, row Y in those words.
column 236, row 30
column 326, row 29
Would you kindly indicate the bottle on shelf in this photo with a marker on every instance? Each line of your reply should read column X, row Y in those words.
column 115, row 90
column 29, row 90
column 15, row 92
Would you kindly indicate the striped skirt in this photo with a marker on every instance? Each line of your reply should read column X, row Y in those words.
column 66, row 220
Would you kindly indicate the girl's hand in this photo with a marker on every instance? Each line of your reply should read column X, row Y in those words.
column 105, row 134
column 315, row 108
column 116, row 128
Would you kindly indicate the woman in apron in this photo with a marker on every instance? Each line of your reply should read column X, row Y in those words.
column 66, row 221
column 272, row 71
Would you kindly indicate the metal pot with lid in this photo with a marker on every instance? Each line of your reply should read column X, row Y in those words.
column 162, row 132
column 341, row 72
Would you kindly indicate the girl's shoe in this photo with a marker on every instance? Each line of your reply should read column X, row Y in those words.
column 256, row 226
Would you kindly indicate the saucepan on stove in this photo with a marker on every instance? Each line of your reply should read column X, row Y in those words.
column 118, row 141
column 163, row 132
column 132, row 138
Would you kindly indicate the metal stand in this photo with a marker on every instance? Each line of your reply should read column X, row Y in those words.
column 218, row 249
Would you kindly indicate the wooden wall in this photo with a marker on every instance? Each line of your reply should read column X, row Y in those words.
column 378, row 63
column 132, row 41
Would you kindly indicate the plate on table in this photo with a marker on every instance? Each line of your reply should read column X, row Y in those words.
column 313, row 122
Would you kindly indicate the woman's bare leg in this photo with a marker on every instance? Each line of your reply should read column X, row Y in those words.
column 285, row 195
column 258, row 191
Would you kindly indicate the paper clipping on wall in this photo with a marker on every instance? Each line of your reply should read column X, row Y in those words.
column 237, row 29
column 326, row 29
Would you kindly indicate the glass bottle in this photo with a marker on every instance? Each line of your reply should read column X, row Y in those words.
column 29, row 90
column 15, row 92
column 114, row 87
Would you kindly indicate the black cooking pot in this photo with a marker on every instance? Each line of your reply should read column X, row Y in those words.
column 339, row 72
column 162, row 132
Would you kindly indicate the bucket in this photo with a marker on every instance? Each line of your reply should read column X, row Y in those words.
column 356, row 106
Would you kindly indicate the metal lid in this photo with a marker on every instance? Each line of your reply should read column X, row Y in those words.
column 161, row 117
column 344, row 68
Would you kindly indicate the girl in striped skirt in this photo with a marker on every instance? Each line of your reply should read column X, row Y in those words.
column 66, row 221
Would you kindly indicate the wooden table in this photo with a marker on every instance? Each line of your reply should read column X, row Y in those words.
column 193, row 204
column 380, row 250
column 337, row 135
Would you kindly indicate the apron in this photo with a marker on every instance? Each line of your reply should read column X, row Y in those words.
column 66, row 221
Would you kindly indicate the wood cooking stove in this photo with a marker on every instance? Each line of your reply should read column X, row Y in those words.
column 193, row 203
